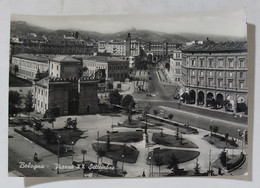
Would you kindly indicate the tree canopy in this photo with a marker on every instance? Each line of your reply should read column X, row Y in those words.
column 115, row 97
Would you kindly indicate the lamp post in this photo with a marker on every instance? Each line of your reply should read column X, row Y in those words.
column 123, row 156
column 83, row 151
column 239, row 135
column 58, row 140
column 226, row 159
column 72, row 144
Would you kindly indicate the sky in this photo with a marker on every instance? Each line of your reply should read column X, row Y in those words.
column 227, row 23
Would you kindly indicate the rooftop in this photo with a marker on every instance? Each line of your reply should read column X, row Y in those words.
column 31, row 57
column 103, row 59
column 64, row 59
column 217, row 47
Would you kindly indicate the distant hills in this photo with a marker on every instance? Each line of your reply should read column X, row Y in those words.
column 21, row 29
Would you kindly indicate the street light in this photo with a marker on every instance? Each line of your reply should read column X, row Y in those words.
column 123, row 156
column 72, row 144
column 83, row 151
column 226, row 159
column 58, row 140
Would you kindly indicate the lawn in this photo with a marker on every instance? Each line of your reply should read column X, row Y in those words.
column 115, row 152
column 220, row 141
column 124, row 137
column 181, row 155
column 52, row 147
column 171, row 140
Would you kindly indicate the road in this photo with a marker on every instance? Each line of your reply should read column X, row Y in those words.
column 163, row 96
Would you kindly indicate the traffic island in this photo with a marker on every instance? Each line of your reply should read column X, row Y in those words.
column 172, row 141
column 116, row 152
column 125, row 137
column 181, row 155
column 220, row 141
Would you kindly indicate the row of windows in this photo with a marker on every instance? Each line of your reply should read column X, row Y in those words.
column 40, row 91
column 118, row 75
column 114, row 67
column 220, row 83
column 38, row 103
column 220, row 63
column 219, row 73
column 27, row 73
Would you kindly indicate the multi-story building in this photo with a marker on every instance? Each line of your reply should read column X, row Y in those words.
column 28, row 65
column 126, row 48
column 64, row 91
column 115, row 67
column 159, row 50
column 175, row 66
column 216, row 71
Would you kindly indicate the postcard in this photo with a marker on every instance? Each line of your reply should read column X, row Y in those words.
column 129, row 96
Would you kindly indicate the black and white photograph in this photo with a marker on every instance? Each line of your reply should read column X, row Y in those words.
column 129, row 96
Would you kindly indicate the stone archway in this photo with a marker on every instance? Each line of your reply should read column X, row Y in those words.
column 229, row 103
column 201, row 97
column 219, row 100
column 210, row 97
column 192, row 97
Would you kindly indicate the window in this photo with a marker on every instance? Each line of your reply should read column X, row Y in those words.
column 230, row 83
column 210, row 73
column 178, row 71
column 201, row 73
column 45, row 106
column 179, row 79
column 220, row 73
column 51, row 66
column 42, row 92
column 230, row 63
column 220, row 63
column 193, row 62
column 220, row 83
column 201, row 82
column 57, row 67
column 201, row 62
column 210, row 81
column 178, row 55
column 175, row 79
column 241, row 63
column 241, row 75
column 41, row 104
column 46, row 93
column 178, row 63
column 39, row 91
column 193, row 79
column 241, row 85
column 230, row 74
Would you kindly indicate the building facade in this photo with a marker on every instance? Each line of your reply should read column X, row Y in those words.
column 126, row 48
column 175, row 66
column 28, row 65
column 216, row 72
column 64, row 91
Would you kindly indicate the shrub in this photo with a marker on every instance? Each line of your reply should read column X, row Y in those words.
column 170, row 116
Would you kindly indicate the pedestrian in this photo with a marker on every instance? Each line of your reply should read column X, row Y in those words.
column 35, row 157
column 143, row 175
column 220, row 171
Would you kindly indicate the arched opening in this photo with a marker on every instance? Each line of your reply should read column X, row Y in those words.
column 219, row 100
column 201, row 98
column 192, row 96
column 228, row 104
column 210, row 97
column 241, row 105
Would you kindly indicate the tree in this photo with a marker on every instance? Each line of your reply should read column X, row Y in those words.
column 173, row 164
column 115, row 98
column 101, row 153
column 170, row 116
column 126, row 101
column 81, row 71
column 155, row 112
column 226, row 137
column 29, row 103
column 16, row 69
column 197, row 168
column 158, row 160
column 14, row 102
